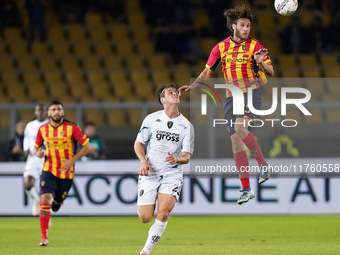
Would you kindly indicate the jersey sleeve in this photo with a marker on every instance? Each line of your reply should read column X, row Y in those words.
column 189, row 138
column 144, row 133
column 39, row 140
column 79, row 135
column 214, row 58
column 266, row 59
column 26, row 145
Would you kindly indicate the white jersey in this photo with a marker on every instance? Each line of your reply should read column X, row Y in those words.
column 163, row 135
column 30, row 134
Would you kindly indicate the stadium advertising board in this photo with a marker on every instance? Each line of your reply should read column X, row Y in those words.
column 112, row 190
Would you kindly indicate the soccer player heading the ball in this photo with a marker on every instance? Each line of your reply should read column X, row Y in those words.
column 169, row 137
column 61, row 138
column 245, row 64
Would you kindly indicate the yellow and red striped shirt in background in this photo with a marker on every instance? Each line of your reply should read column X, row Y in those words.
column 61, row 144
column 238, row 64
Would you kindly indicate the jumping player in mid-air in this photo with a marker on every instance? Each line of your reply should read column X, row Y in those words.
column 169, row 137
column 245, row 64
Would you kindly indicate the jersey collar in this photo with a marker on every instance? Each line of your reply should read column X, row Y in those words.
column 163, row 112
column 231, row 38
column 57, row 126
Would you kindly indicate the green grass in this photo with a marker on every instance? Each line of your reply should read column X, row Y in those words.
column 241, row 235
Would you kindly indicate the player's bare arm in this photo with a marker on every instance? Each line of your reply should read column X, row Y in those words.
column 206, row 74
column 183, row 159
column 259, row 57
column 145, row 168
column 38, row 152
column 70, row 162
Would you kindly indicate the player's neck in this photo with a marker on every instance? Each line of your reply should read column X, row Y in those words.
column 172, row 111
column 237, row 39
column 56, row 124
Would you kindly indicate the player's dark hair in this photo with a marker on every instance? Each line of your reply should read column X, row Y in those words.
column 90, row 123
column 53, row 102
column 236, row 13
column 160, row 91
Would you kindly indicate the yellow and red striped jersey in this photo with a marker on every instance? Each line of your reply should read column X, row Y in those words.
column 61, row 143
column 238, row 64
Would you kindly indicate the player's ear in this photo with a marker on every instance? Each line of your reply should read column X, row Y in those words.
column 162, row 100
column 233, row 25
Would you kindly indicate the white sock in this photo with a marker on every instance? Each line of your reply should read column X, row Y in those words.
column 155, row 234
column 33, row 194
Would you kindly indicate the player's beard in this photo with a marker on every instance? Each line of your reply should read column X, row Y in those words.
column 57, row 119
column 240, row 35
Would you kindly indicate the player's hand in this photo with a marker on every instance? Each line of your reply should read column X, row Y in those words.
column 145, row 169
column 260, row 54
column 68, row 163
column 183, row 88
column 16, row 150
column 92, row 150
column 171, row 159
column 40, row 153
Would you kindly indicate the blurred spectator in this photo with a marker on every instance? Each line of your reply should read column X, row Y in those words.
column 166, row 41
column 15, row 148
column 293, row 37
column 189, row 46
column 36, row 13
column 334, row 37
column 71, row 10
column 159, row 12
column 184, row 12
column 218, row 22
column 99, row 150
column 316, row 36
column 10, row 16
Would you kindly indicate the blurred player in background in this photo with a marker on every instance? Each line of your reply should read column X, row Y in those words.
column 15, row 151
column 98, row 146
column 34, row 164
column 245, row 64
column 169, row 137
column 61, row 138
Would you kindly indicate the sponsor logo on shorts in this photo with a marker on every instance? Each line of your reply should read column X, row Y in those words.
column 64, row 195
column 42, row 183
column 141, row 192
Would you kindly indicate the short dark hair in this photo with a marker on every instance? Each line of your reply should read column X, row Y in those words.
column 53, row 102
column 236, row 13
column 160, row 91
column 90, row 123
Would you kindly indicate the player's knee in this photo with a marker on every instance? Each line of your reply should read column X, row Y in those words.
column 28, row 186
column 145, row 218
column 240, row 130
column 163, row 216
column 28, row 183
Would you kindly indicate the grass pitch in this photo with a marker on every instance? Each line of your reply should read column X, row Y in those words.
column 184, row 235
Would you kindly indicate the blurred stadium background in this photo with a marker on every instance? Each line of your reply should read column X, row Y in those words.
column 105, row 58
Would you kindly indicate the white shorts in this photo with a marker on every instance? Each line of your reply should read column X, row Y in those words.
column 150, row 186
column 34, row 166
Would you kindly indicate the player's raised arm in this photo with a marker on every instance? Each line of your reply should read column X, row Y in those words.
column 206, row 74
column 145, row 168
